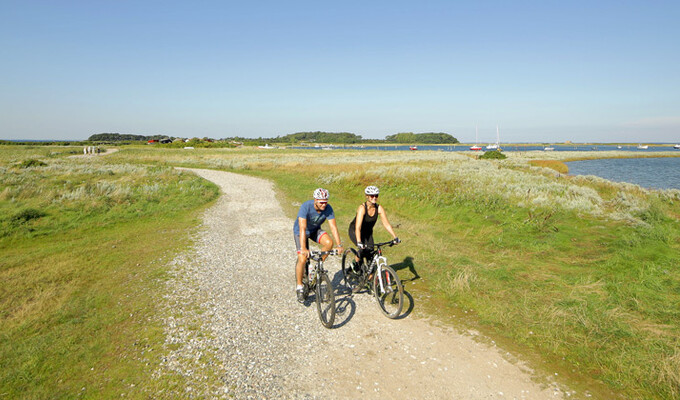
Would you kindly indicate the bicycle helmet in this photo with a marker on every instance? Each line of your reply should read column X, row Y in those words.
column 321, row 194
column 371, row 190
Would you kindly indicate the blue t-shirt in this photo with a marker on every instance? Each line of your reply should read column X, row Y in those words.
column 314, row 218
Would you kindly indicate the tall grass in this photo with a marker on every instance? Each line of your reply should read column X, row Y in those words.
column 579, row 269
column 82, row 245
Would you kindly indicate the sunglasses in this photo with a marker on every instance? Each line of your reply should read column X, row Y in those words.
column 372, row 195
column 323, row 203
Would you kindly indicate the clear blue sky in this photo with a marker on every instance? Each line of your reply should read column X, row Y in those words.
column 542, row 70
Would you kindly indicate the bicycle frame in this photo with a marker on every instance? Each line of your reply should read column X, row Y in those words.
column 385, row 286
column 316, row 257
column 380, row 261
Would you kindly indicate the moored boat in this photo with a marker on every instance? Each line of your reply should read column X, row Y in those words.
column 413, row 147
column 642, row 147
column 497, row 145
column 677, row 146
column 476, row 147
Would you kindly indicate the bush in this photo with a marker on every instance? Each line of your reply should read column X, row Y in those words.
column 31, row 163
column 27, row 215
column 493, row 155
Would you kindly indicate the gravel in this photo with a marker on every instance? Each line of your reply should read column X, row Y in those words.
column 237, row 285
column 234, row 328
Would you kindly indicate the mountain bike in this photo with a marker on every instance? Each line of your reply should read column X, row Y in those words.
column 316, row 279
column 373, row 272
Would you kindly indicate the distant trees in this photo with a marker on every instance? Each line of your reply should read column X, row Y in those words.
column 124, row 137
column 429, row 137
column 313, row 137
column 320, row 137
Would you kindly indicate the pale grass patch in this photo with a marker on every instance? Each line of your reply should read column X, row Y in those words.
column 669, row 372
column 461, row 280
column 7, row 193
column 587, row 288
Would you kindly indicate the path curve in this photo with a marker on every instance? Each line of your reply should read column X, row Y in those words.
column 237, row 283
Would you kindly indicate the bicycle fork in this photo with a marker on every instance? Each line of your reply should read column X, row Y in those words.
column 382, row 261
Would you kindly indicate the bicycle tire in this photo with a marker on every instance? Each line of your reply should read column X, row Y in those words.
column 391, row 297
column 352, row 279
column 305, row 281
column 325, row 300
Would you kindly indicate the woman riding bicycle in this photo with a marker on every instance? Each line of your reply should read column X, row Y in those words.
column 361, row 227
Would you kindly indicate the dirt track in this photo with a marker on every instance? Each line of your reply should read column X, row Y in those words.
column 269, row 346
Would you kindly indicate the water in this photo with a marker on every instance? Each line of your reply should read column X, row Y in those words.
column 650, row 173
column 466, row 147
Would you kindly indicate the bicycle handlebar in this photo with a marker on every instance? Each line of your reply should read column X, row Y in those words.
column 390, row 243
column 316, row 254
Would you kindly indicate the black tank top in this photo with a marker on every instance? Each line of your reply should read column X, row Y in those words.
column 367, row 224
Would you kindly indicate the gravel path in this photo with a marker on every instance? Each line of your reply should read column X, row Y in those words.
column 231, row 311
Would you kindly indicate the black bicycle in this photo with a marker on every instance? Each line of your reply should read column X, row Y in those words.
column 373, row 273
column 316, row 279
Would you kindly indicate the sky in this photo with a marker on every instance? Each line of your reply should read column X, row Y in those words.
column 542, row 71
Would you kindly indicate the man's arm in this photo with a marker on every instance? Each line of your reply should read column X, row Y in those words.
column 302, row 222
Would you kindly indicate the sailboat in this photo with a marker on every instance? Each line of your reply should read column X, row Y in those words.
column 476, row 147
column 497, row 145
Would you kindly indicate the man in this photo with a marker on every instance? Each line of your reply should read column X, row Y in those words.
column 311, row 215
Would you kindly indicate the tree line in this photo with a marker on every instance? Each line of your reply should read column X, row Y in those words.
column 300, row 137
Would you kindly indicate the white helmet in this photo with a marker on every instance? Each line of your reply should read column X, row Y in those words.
column 372, row 190
column 321, row 194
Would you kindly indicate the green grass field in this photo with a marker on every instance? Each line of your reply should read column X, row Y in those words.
column 84, row 247
column 577, row 273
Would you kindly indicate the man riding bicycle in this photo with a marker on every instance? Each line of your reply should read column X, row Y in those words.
column 307, row 226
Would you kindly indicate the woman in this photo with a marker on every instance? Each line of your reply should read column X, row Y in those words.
column 361, row 227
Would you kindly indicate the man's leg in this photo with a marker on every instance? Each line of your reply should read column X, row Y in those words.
column 301, row 261
column 326, row 243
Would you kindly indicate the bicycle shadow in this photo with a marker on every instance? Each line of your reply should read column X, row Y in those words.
column 407, row 263
column 409, row 309
column 345, row 307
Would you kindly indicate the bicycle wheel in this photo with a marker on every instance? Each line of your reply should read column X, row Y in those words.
column 352, row 279
column 306, row 285
column 325, row 300
column 390, row 294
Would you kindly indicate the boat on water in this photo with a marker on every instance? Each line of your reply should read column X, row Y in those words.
column 497, row 145
column 266, row 146
column 413, row 147
column 677, row 146
column 476, row 147
column 642, row 147
column 548, row 148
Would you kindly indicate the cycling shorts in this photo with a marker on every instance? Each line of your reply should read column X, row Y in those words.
column 315, row 236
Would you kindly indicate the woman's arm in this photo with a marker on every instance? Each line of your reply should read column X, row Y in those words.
column 386, row 222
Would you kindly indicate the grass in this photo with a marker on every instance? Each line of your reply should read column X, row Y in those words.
column 577, row 270
column 83, row 249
